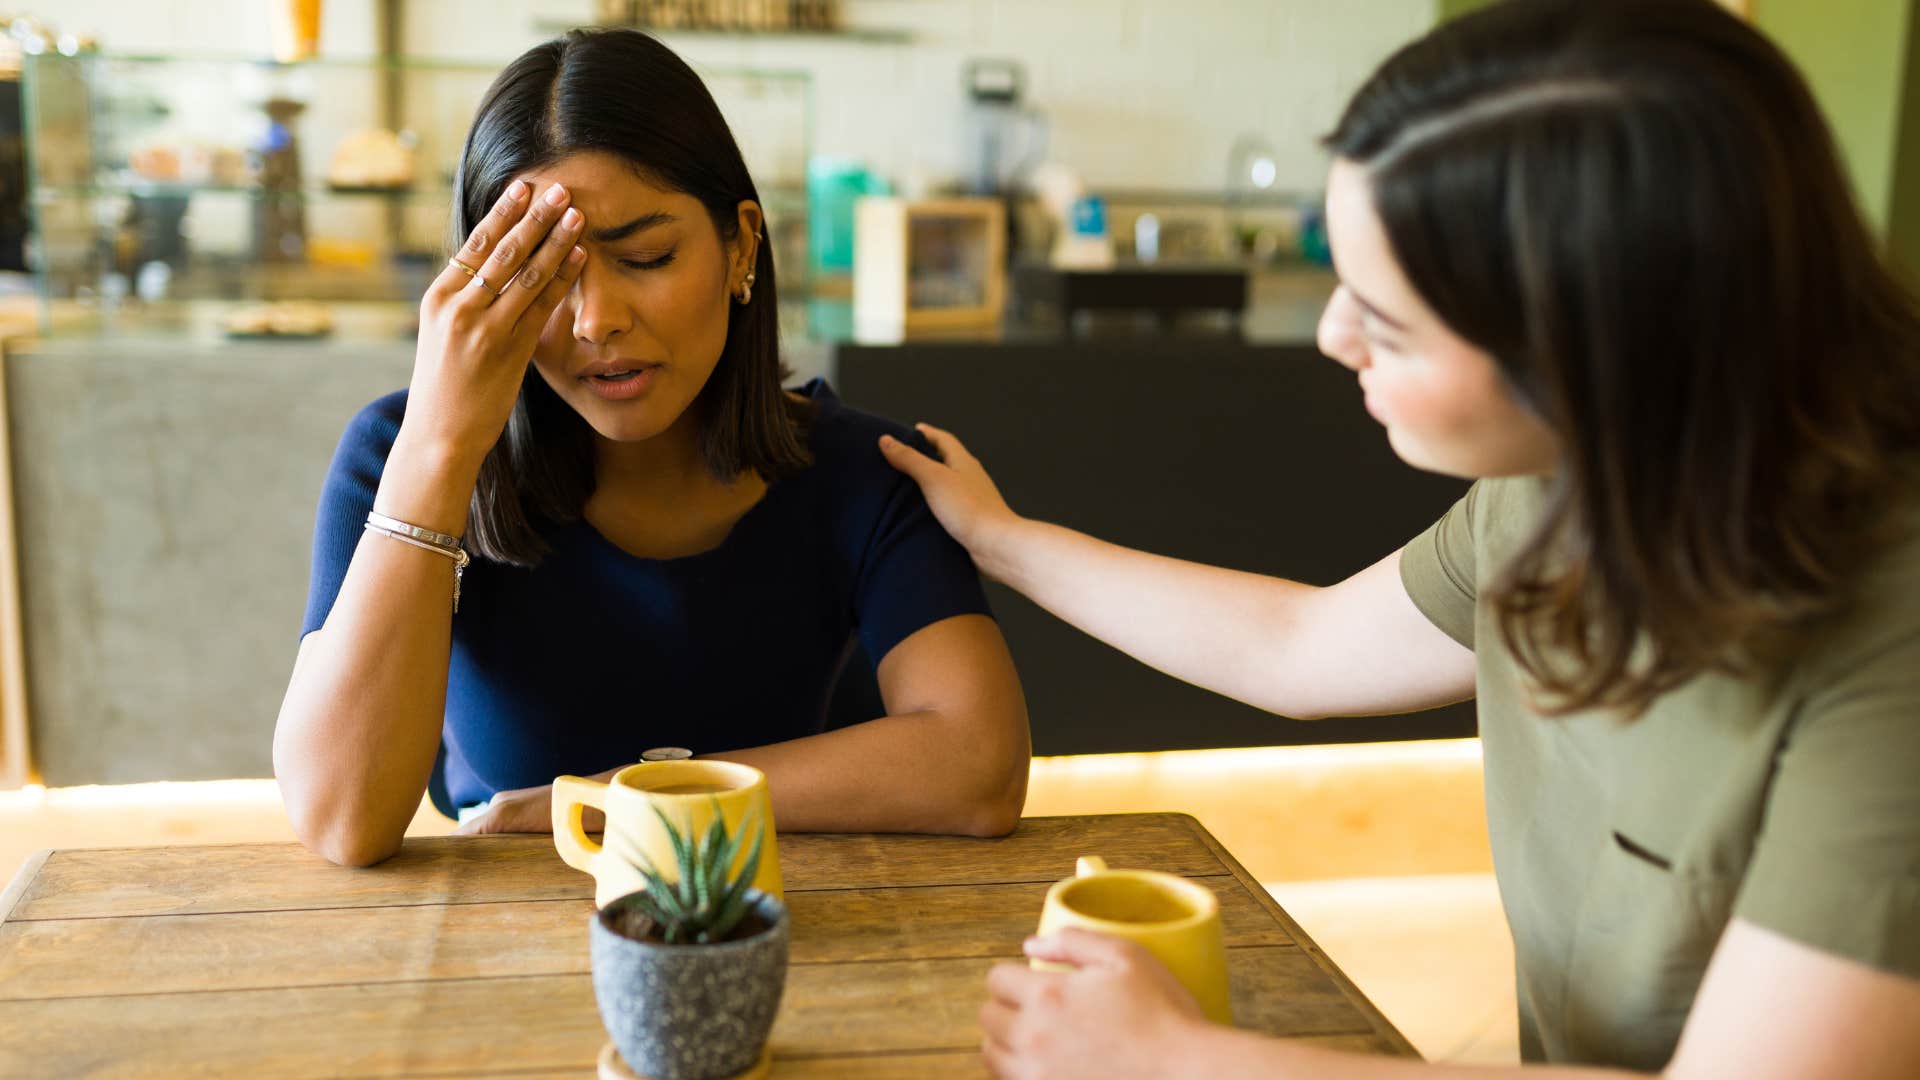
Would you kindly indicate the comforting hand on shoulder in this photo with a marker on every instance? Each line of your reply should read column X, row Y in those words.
column 956, row 486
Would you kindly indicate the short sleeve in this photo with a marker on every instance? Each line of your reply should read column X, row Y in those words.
column 345, row 498
column 910, row 574
column 1837, row 862
column 1438, row 569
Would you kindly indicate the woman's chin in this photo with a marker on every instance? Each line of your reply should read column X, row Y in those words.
column 627, row 421
column 1427, row 458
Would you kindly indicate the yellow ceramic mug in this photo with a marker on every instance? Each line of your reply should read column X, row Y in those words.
column 1176, row 920
column 686, row 791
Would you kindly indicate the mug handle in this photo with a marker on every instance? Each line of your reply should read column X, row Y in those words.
column 571, row 796
column 1085, row 866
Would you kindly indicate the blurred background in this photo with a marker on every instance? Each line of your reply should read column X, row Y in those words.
column 1085, row 234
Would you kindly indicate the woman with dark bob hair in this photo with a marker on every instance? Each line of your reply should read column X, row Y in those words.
column 1600, row 256
column 666, row 548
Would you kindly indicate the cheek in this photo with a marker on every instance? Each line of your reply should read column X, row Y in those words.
column 707, row 310
column 1401, row 394
column 1462, row 422
column 683, row 310
column 556, row 337
column 1434, row 396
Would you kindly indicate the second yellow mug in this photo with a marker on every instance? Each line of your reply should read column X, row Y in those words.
column 1176, row 920
column 687, row 792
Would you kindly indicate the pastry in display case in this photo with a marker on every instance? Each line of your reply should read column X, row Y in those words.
column 371, row 160
column 292, row 319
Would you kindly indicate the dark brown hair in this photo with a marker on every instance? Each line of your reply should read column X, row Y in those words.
column 1636, row 209
column 619, row 92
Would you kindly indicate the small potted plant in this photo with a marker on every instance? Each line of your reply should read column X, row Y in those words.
column 688, row 973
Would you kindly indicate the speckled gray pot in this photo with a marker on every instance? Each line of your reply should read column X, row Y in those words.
column 690, row 1012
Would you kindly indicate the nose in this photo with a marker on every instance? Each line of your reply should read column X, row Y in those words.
column 1339, row 333
column 599, row 312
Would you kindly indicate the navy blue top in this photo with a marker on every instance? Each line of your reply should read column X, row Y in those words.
column 581, row 663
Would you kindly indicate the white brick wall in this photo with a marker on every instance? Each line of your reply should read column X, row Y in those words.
column 1140, row 93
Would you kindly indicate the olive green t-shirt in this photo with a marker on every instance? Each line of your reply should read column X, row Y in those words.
column 1624, row 849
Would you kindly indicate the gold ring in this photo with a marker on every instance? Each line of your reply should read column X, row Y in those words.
column 482, row 282
column 462, row 267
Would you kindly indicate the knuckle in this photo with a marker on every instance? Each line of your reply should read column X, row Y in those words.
column 478, row 240
column 530, row 277
column 508, row 249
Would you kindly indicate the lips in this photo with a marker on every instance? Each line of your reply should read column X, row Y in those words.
column 616, row 367
column 620, row 380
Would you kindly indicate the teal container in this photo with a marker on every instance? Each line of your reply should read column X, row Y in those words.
column 833, row 186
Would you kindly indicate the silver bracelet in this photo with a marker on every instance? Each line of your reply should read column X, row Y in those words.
column 395, row 525
column 457, row 553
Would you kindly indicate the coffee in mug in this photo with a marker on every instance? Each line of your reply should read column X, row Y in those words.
column 687, row 792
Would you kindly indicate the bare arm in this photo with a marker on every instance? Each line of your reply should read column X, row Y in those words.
column 1769, row 1008
column 1356, row 648
column 951, row 756
column 360, row 723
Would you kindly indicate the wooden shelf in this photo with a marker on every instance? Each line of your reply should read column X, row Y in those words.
column 849, row 35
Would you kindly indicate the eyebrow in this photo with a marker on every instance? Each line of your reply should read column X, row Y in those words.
column 640, row 224
column 1374, row 311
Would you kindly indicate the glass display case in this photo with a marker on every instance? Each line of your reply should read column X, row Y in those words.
column 242, row 197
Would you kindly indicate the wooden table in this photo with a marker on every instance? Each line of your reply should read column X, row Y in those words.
column 468, row 956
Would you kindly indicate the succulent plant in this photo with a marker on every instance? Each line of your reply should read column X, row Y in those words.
column 707, row 902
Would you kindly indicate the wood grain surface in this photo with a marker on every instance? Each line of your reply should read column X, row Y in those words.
column 468, row 956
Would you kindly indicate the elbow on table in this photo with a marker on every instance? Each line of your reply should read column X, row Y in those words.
column 339, row 839
column 354, row 851
column 997, row 811
column 991, row 821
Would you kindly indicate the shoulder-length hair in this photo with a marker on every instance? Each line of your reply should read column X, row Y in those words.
column 1636, row 209
column 623, row 93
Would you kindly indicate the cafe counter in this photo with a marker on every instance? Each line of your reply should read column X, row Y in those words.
column 164, row 487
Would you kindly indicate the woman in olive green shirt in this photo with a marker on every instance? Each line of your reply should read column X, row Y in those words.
column 1602, row 258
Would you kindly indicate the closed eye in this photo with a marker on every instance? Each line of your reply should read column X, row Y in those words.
column 1381, row 344
column 648, row 264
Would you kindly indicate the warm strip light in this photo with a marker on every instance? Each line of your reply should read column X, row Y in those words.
column 1267, row 759
column 159, row 794
column 1171, row 763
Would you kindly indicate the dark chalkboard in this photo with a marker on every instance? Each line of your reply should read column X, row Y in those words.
column 1257, row 457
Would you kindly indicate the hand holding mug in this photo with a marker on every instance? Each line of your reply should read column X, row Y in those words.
column 1114, row 1011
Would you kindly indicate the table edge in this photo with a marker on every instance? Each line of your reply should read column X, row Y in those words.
column 1382, row 1025
column 22, row 880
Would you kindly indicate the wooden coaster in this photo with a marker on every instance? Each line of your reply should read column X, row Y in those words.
column 614, row 1067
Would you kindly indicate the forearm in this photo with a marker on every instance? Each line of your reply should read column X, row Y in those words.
column 1229, row 631
column 357, row 733
column 920, row 772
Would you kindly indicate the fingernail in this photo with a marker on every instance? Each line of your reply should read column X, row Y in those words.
column 556, row 195
column 576, row 255
column 570, row 218
column 518, row 191
column 886, row 440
